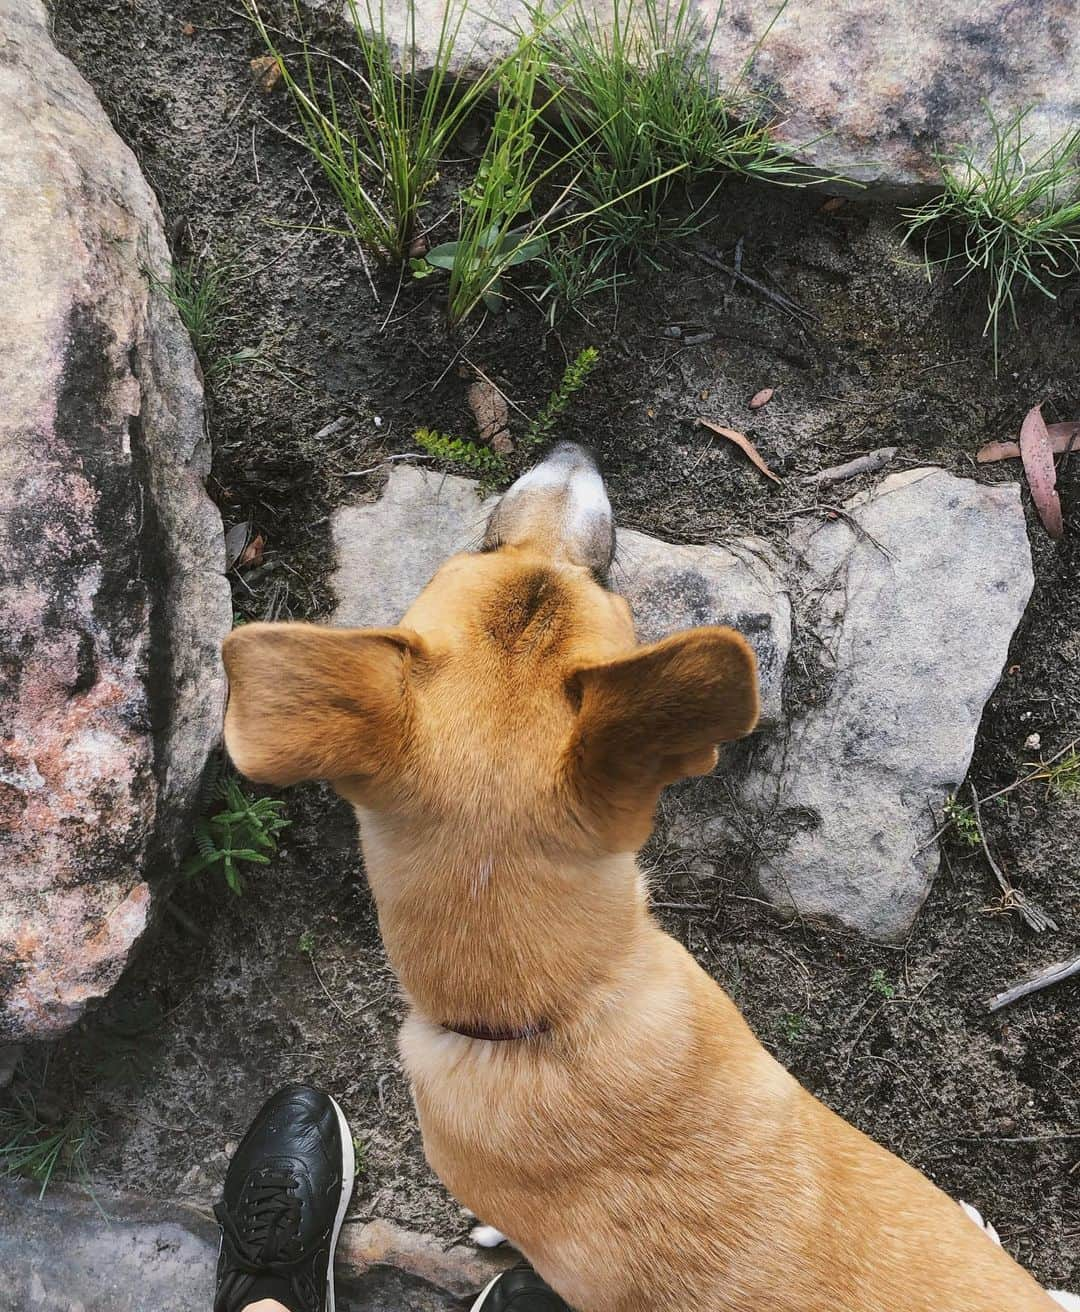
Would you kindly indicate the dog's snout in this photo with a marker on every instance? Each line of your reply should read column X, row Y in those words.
column 560, row 507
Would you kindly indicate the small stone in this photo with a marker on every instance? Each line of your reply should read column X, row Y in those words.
column 1032, row 742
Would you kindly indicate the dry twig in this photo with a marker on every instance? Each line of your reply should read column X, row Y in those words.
column 1041, row 979
column 1013, row 899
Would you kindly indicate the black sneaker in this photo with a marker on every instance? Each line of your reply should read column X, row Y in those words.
column 519, row 1290
column 286, row 1191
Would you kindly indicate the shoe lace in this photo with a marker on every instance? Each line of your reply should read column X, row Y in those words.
column 262, row 1232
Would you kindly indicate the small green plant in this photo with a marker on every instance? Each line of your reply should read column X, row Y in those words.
column 577, row 270
column 793, row 1026
column 574, row 378
column 879, row 983
column 491, row 464
column 964, row 824
column 480, row 459
column 306, row 942
column 199, row 292
column 652, row 131
column 244, row 831
column 379, row 137
column 1011, row 217
column 42, row 1150
column 1062, row 776
column 491, row 238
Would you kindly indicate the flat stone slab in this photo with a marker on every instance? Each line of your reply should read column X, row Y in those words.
column 911, row 606
column 112, row 596
column 70, row 1252
column 913, row 613
column 866, row 90
column 389, row 549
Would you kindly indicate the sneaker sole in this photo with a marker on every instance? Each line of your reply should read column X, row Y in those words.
column 484, row 1293
column 348, row 1175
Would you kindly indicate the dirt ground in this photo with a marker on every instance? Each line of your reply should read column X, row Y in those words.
column 224, row 1003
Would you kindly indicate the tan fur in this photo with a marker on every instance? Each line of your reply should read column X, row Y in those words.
column 505, row 750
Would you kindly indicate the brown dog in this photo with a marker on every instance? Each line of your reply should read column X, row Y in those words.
column 581, row 1082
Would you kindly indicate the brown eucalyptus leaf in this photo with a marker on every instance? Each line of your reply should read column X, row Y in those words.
column 1038, row 457
column 489, row 409
column 744, row 444
column 1063, row 437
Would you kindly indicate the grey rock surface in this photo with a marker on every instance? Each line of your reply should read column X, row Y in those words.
column 865, row 90
column 913, row 616
column 388, row 550
column 112, row 595
column 910, row 618
column 673, row 587
column 61, row 1254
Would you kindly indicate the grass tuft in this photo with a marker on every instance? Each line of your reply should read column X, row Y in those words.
column 199, row 292
column 652, row 130
column 39, row 1149
column 495, row 233
column 1012, row 218
column 378, row 132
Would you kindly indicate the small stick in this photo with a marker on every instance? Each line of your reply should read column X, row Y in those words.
column 1041, row 979
column 1031, row 914
column 778, row 298
column 849, row 519
column 1038, row 773
column 867, row 464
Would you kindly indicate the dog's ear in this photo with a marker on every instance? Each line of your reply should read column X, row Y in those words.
column 655, row 716
column 307, row 702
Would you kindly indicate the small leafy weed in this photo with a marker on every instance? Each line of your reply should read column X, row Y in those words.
column 962, row 819
column 244, row 831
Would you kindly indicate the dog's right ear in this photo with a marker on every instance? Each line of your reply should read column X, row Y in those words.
column 654, row 716
column 307, row 702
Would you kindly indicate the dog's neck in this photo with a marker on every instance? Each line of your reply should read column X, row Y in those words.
column 504, row 948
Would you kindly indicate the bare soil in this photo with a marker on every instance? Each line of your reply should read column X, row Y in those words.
column 224, row 1003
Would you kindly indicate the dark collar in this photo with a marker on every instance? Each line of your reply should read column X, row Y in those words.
column 500, row 1036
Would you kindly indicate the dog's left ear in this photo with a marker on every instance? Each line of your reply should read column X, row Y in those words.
column 655, row 716
column 307, row 702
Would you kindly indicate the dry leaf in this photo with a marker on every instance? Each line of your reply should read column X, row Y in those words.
column 1038, row 458
column 253, row 552
column 761, row 398
column 267, row 72
column 743, row 443
column 188, row 29
column 1063, row 437
column 235, row 542
column 489, row 409
column 833, row 204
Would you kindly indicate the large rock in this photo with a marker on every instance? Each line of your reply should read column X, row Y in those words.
column 913, row 613
column 389, row 549
column 112, row 594
column 865, row 90
column 909, row 615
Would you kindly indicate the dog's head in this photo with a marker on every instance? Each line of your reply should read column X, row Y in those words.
column 512, row 702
